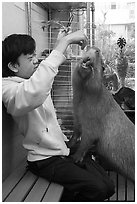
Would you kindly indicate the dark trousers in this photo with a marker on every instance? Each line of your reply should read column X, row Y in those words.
column 87, row 181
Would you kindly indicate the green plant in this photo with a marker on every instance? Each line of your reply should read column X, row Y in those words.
column 122, row 62
column 111, row 51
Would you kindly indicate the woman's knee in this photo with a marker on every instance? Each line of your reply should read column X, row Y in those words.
column 99, row 191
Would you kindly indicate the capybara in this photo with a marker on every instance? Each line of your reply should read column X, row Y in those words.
column 99, row 120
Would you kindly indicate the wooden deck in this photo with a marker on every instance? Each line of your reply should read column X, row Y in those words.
column 124, row 189
column 23, row 186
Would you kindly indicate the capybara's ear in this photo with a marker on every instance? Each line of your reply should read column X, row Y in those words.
column 84, row 72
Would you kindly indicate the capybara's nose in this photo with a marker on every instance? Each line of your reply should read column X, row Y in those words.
column 86, row 59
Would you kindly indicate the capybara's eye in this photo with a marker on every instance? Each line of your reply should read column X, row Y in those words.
column 97, row 51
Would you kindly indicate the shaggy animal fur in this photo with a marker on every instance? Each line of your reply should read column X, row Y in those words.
column 99, row 120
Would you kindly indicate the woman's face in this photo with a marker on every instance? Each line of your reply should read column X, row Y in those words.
column 27, row 65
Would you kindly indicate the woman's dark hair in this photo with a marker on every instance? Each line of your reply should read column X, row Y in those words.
column 12, row 47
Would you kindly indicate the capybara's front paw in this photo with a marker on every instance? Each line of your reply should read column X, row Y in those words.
column 73, row 142
column 78, row 158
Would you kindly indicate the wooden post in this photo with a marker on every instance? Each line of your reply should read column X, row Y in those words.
column 28, row 11
column 93, row 23
column 88, row 24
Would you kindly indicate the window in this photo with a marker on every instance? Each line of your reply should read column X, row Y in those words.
column 132, row 14
column 113, row 5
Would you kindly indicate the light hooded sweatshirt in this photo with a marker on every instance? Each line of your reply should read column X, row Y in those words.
column 30, row 104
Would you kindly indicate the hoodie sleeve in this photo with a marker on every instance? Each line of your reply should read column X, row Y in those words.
column 20, row 98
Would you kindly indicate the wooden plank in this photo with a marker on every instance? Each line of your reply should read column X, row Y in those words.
column 22, row 188
column 130, row 191
column 13, row 179
column 53, row 193
column 113, row 176
column 121, row 188
column 37, row 191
